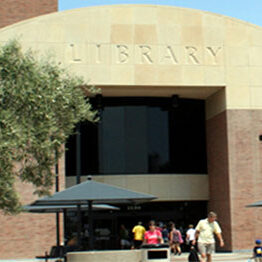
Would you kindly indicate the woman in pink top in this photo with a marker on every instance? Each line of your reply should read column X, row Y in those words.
column 175, row 238
column 153, row 235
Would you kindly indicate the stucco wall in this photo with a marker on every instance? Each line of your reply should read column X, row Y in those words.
column 144, row 45
column 165, row 187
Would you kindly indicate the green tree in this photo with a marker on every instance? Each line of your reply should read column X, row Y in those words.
column 40, row 104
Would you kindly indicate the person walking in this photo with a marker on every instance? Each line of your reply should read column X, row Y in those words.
column 138, row 232
column 257, row 251
column 205, row 231
column 124, row 237
column 153, row 235
column 175, row 239
column 190, row 235
column 165, row 234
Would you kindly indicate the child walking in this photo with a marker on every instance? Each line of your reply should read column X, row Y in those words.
column 257, row 251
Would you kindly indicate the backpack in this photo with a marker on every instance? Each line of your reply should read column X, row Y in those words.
column 193, row 255
column 177, row 237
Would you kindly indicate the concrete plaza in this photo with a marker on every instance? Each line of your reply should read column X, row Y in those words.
column 218, row 257
column 239, row 257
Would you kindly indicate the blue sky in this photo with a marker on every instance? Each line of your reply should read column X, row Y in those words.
column 250, row 11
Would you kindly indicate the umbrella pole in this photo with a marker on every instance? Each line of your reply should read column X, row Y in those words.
column 78, row 181
column 90, row 225
column 65, row 223
column 57, row 229
column 78, row 155
column 79, row 226
column 57, row 190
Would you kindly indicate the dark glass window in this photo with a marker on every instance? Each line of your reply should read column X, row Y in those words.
column 142, row 136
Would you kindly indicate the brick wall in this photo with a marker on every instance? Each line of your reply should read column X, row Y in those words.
column 218, row 173
column 29, row 234
column 245, row 161
column 235, row 175
column 12, row 11
column 26, row 235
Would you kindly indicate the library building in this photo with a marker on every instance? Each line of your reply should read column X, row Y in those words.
column 180, row 118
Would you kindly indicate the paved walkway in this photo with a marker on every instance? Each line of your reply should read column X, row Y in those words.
column 239, row 257
column 218, row 257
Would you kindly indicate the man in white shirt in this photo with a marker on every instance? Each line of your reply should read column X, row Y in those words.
column 205, row 231
column 190, row 234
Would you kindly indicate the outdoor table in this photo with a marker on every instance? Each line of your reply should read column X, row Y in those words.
column 57, row 253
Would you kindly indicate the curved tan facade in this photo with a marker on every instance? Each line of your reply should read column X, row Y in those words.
column 145, row 50
column 154, row 46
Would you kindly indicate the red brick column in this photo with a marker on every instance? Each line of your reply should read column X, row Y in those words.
column 245, row 154
column 235, row 174
column 12, row 11
column 218, row 173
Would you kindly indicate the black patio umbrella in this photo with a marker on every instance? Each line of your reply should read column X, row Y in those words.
column 255, row 204
column 62, row 208
column 33, row 208
column 91, row 192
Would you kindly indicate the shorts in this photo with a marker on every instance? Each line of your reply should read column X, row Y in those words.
column 176, row 243
column 206, row 248
column 124, row 242
column 138, row 243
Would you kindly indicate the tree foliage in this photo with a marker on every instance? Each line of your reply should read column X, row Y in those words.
column 40, row 104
